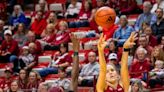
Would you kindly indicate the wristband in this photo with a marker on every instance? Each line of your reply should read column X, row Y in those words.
column 126, row 49
column 76, row 53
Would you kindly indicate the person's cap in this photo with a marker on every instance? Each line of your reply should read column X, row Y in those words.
column 25, row 47
column 112, row 56
column 8, row 69
column 7, row 32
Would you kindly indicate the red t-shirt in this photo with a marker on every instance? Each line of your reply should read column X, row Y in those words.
column 138, row 66
column 11, row 47
column 49, row 38
column 61, row 38
column 63, row 58
column 38, row 26
column 45, row 14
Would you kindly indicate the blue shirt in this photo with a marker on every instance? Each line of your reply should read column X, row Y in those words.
column 15, row 20
column 122, row 34
column 149, row 18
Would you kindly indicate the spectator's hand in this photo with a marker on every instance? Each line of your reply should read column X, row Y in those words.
column 4, row 54
column 102, row 43
column 130, row 41
column 8, row 53
column 76, row 42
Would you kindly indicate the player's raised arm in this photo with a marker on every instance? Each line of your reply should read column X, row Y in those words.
column 124, row 61
column 100, row 86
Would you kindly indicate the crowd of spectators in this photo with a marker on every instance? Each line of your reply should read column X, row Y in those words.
column 24, row 39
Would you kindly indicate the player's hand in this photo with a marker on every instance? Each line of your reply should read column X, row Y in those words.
column 131, row 41
column 76, row 42
column 102, row 43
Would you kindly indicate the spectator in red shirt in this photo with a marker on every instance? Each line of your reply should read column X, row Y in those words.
column 92, row 22
column 152, row 40
column 6, row 81
column 14, row 87
column 157, row 54
column 9, row 48
column 32, row 39
column 34, row 80
column 115, row 4
column 48, row 35
column 22, row 79
column 42, row 6
column 52, row 18
column 84, row 15
column 128, row 6
column 39, row 24
column 62, row 36
column 3, row 9
column 140, row 64
column 60, row 60
column 143, row 42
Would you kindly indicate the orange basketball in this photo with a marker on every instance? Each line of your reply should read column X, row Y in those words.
column 105, row 17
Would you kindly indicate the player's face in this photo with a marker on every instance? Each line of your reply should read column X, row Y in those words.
column 111, row 75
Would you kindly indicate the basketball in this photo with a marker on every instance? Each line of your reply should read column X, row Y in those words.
column 105, row 17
